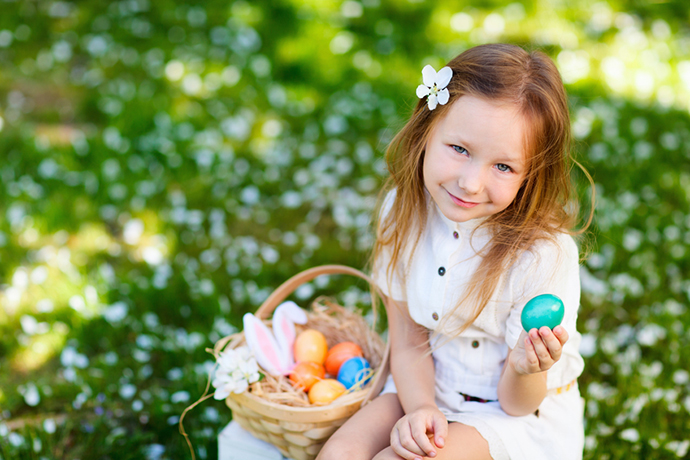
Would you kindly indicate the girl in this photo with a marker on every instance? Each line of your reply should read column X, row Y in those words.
column 475, row 222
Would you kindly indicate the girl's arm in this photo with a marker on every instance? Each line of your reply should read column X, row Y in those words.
column 522, row 386
column 412, row 367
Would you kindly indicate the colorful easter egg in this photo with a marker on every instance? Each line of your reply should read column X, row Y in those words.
column 325, row 391
column 354, row 371
column 542, row 310
column 310, row 345
column 306, row 373
column 340, row 353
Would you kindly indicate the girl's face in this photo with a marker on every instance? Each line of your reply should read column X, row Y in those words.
column 475, row 159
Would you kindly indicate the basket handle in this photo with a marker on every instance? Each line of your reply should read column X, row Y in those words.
column 289, row 286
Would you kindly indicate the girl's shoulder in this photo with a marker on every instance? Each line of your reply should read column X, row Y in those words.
column 555, row 252
column 559, row 243
column 550, row 265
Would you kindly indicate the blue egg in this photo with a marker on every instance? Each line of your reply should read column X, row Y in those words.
column 542, row 310
column 354, row 371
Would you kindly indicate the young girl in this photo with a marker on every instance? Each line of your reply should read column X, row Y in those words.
column 475, row 222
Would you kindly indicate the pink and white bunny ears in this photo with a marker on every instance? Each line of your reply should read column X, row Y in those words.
column 273, row 351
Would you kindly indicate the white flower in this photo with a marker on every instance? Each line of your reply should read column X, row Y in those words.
column 236, row 370
column 435, row 86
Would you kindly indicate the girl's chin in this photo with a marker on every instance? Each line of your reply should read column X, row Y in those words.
column 460, row 215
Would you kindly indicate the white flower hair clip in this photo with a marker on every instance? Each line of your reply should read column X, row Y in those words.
column 435, row 86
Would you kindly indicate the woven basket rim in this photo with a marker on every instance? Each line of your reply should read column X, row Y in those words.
column 348, row 406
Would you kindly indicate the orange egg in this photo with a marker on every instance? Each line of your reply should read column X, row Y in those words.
column 340, row 353
column 325, row 391
column 310, row 345
column 305, row 374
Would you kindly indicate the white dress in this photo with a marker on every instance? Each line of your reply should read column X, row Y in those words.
column 445, row 258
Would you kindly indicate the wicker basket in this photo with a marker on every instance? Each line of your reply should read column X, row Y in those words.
column 300, row 432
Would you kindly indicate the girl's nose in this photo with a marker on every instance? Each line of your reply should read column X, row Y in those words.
column 470, row 180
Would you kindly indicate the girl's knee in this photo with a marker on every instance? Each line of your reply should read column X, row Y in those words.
column 366, row 433
column 340, row 448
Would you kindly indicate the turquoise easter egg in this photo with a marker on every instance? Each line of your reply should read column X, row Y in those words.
column 542, row 310
column 354, row 371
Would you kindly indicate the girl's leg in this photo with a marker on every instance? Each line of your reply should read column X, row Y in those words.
column 366, row 433
column 464, row 443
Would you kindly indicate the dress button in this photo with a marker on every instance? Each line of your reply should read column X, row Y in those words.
column 475, row 344
column 455, row 235
column 435, row 316
column 441, row 271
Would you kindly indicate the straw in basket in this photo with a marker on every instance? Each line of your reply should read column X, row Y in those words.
column 271, row 411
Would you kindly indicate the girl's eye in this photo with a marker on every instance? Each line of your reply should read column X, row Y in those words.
column 460, row 150
column 503, row 168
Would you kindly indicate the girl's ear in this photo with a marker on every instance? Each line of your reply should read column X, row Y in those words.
column 260, row 340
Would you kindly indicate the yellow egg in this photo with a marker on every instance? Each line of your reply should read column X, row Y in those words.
column 310, row 345
column 325, row 391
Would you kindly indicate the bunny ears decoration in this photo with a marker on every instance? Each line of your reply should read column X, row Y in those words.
column 273, row 351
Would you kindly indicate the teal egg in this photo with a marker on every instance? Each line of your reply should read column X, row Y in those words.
column 542, row 310
column 354, row 371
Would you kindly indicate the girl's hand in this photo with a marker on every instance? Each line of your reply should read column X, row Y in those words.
column 539, row 350
column 412, row 435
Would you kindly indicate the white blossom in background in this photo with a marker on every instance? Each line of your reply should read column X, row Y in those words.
column 237, row 368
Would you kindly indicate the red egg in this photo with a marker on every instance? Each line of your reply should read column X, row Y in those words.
column 340, row 353
column 325, row 391
column 311, row 345
column 306, row 373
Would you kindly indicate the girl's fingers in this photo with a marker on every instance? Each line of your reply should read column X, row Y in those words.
column 410, row 438
column 553, row 345
column 554, row 340
column 540, row 348
column 419, row 433
column 531, row 355
column 440, row 430
column 543, row 347
column 561, row 334
column 403, row 442
column 399, row 449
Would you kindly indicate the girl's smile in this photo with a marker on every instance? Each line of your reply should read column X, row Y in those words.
column 461, row 202
column 474, row 161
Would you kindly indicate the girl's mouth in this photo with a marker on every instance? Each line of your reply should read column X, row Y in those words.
column 462, row 203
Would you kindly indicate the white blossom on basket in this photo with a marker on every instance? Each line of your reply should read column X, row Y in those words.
column 237, row 368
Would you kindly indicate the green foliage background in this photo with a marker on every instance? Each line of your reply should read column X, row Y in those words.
column 165, row 165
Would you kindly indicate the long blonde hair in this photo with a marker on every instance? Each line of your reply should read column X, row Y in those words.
column 545, row 204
